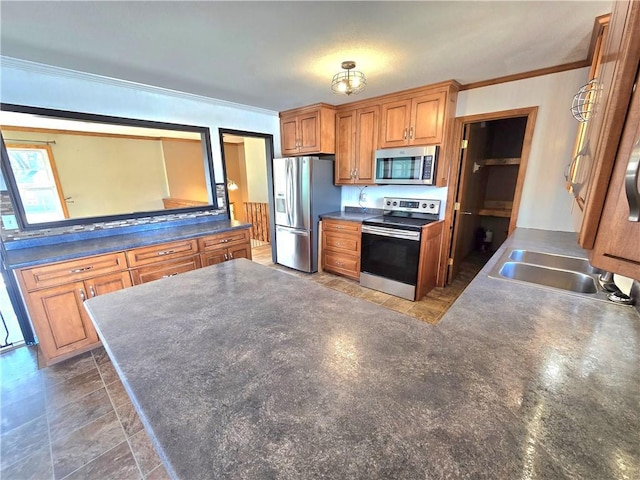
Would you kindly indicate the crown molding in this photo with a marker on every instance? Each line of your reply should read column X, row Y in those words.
column 29, row 66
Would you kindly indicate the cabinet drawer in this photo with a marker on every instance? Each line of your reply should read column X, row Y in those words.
column 162, row 252
column 223, row 240
column 64, row 272
column 340, row 242
column 165, row 269
column 341, row 226
column 347, row 265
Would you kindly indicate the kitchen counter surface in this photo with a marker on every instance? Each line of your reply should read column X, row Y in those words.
column 353, row 215
column 28, row 257
column 267, row 375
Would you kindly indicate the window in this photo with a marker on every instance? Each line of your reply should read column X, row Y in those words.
column 38, row 184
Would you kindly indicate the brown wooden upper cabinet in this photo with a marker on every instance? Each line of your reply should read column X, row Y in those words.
column 308, row 130
column 356, row 143
column 413, row 121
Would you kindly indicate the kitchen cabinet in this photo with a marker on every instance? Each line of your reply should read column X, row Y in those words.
column 617, row 243
column 54, row 294
column 308, row 130
column 430, row 240
column 341, row 243
column 356, row 143
column 163, row 260
column 620, row 59
column 413, row 121
column 224, row 246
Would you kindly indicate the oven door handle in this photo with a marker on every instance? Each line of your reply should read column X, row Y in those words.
column 391, row 232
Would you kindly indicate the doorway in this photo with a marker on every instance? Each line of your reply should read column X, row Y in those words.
column 486, row 186
column 246, row 159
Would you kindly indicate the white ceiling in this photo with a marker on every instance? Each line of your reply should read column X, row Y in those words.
column 280, row 55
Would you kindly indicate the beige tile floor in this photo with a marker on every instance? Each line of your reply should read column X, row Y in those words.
column 74, row 420
column 429, row 309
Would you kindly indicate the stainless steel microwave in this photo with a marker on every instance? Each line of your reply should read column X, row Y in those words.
column 406, row 166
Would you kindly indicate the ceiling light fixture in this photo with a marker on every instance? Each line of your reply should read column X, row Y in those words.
column 348, row 82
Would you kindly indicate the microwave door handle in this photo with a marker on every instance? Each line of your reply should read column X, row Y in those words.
column 631, row 186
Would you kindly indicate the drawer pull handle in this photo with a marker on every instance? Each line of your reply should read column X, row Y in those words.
column 230, row 256
column 169, row 275
column 224, row 240
column 166, row 252
column 92, row 292
column 225, row 257
column 80, row 270
column 82, row 295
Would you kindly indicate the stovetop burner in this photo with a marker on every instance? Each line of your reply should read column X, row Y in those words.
column 407, row 213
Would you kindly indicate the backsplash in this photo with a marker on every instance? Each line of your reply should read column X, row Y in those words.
column 374, row 195
column 14, row 238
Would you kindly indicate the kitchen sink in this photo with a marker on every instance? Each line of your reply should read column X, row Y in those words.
column 562, row 262
column 562, row 273
column 550, row 277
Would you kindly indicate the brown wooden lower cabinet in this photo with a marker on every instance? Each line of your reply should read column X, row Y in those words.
column 341, row 247
column 54, row 293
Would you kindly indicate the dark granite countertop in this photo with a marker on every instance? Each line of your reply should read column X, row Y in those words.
column 353, row 214
column 267, row 375
column 28, row 257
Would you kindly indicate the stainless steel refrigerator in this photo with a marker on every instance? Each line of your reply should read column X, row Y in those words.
column 303, row 189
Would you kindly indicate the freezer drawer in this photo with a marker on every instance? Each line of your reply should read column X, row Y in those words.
column 293, row 248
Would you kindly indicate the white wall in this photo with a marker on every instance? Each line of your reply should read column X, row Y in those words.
column 545, row 203
column 33, row 84
column 256, row 162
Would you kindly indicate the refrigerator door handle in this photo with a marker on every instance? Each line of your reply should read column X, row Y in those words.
column 302, row 233
column 288, row 190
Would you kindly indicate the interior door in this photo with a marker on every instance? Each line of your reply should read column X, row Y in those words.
column 469, row 197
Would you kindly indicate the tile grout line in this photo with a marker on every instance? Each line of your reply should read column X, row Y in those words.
column 115, row 409
column 46, row 413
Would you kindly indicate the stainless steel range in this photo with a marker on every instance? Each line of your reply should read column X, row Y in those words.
column 391, row 245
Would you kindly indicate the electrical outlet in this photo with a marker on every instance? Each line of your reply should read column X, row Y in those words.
column 363, row 197
column 9, row 222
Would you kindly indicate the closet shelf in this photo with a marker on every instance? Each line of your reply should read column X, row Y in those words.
column 494, row 212
column 500, row 161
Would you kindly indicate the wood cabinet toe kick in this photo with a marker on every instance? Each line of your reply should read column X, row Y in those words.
column 54, row 293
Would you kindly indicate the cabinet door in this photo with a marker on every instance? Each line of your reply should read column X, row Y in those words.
column 309, row 132
column 289, row 132
column 214, row 257
column 367, row 127
column 395, row 123
column 617, row 244
column 239, row 251
column 345, row 148
column 107, row 283
column 166, row 269
column 427, row 119
column 60, row 319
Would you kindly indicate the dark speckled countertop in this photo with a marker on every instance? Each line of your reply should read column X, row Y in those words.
column 353, row 214
column 28, row 257
column 244, row 371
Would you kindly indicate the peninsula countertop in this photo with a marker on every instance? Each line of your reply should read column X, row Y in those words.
column 243, row 371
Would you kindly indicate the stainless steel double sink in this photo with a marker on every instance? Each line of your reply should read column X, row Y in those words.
column 568, row 274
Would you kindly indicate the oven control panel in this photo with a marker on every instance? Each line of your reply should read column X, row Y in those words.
column 418, row 205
